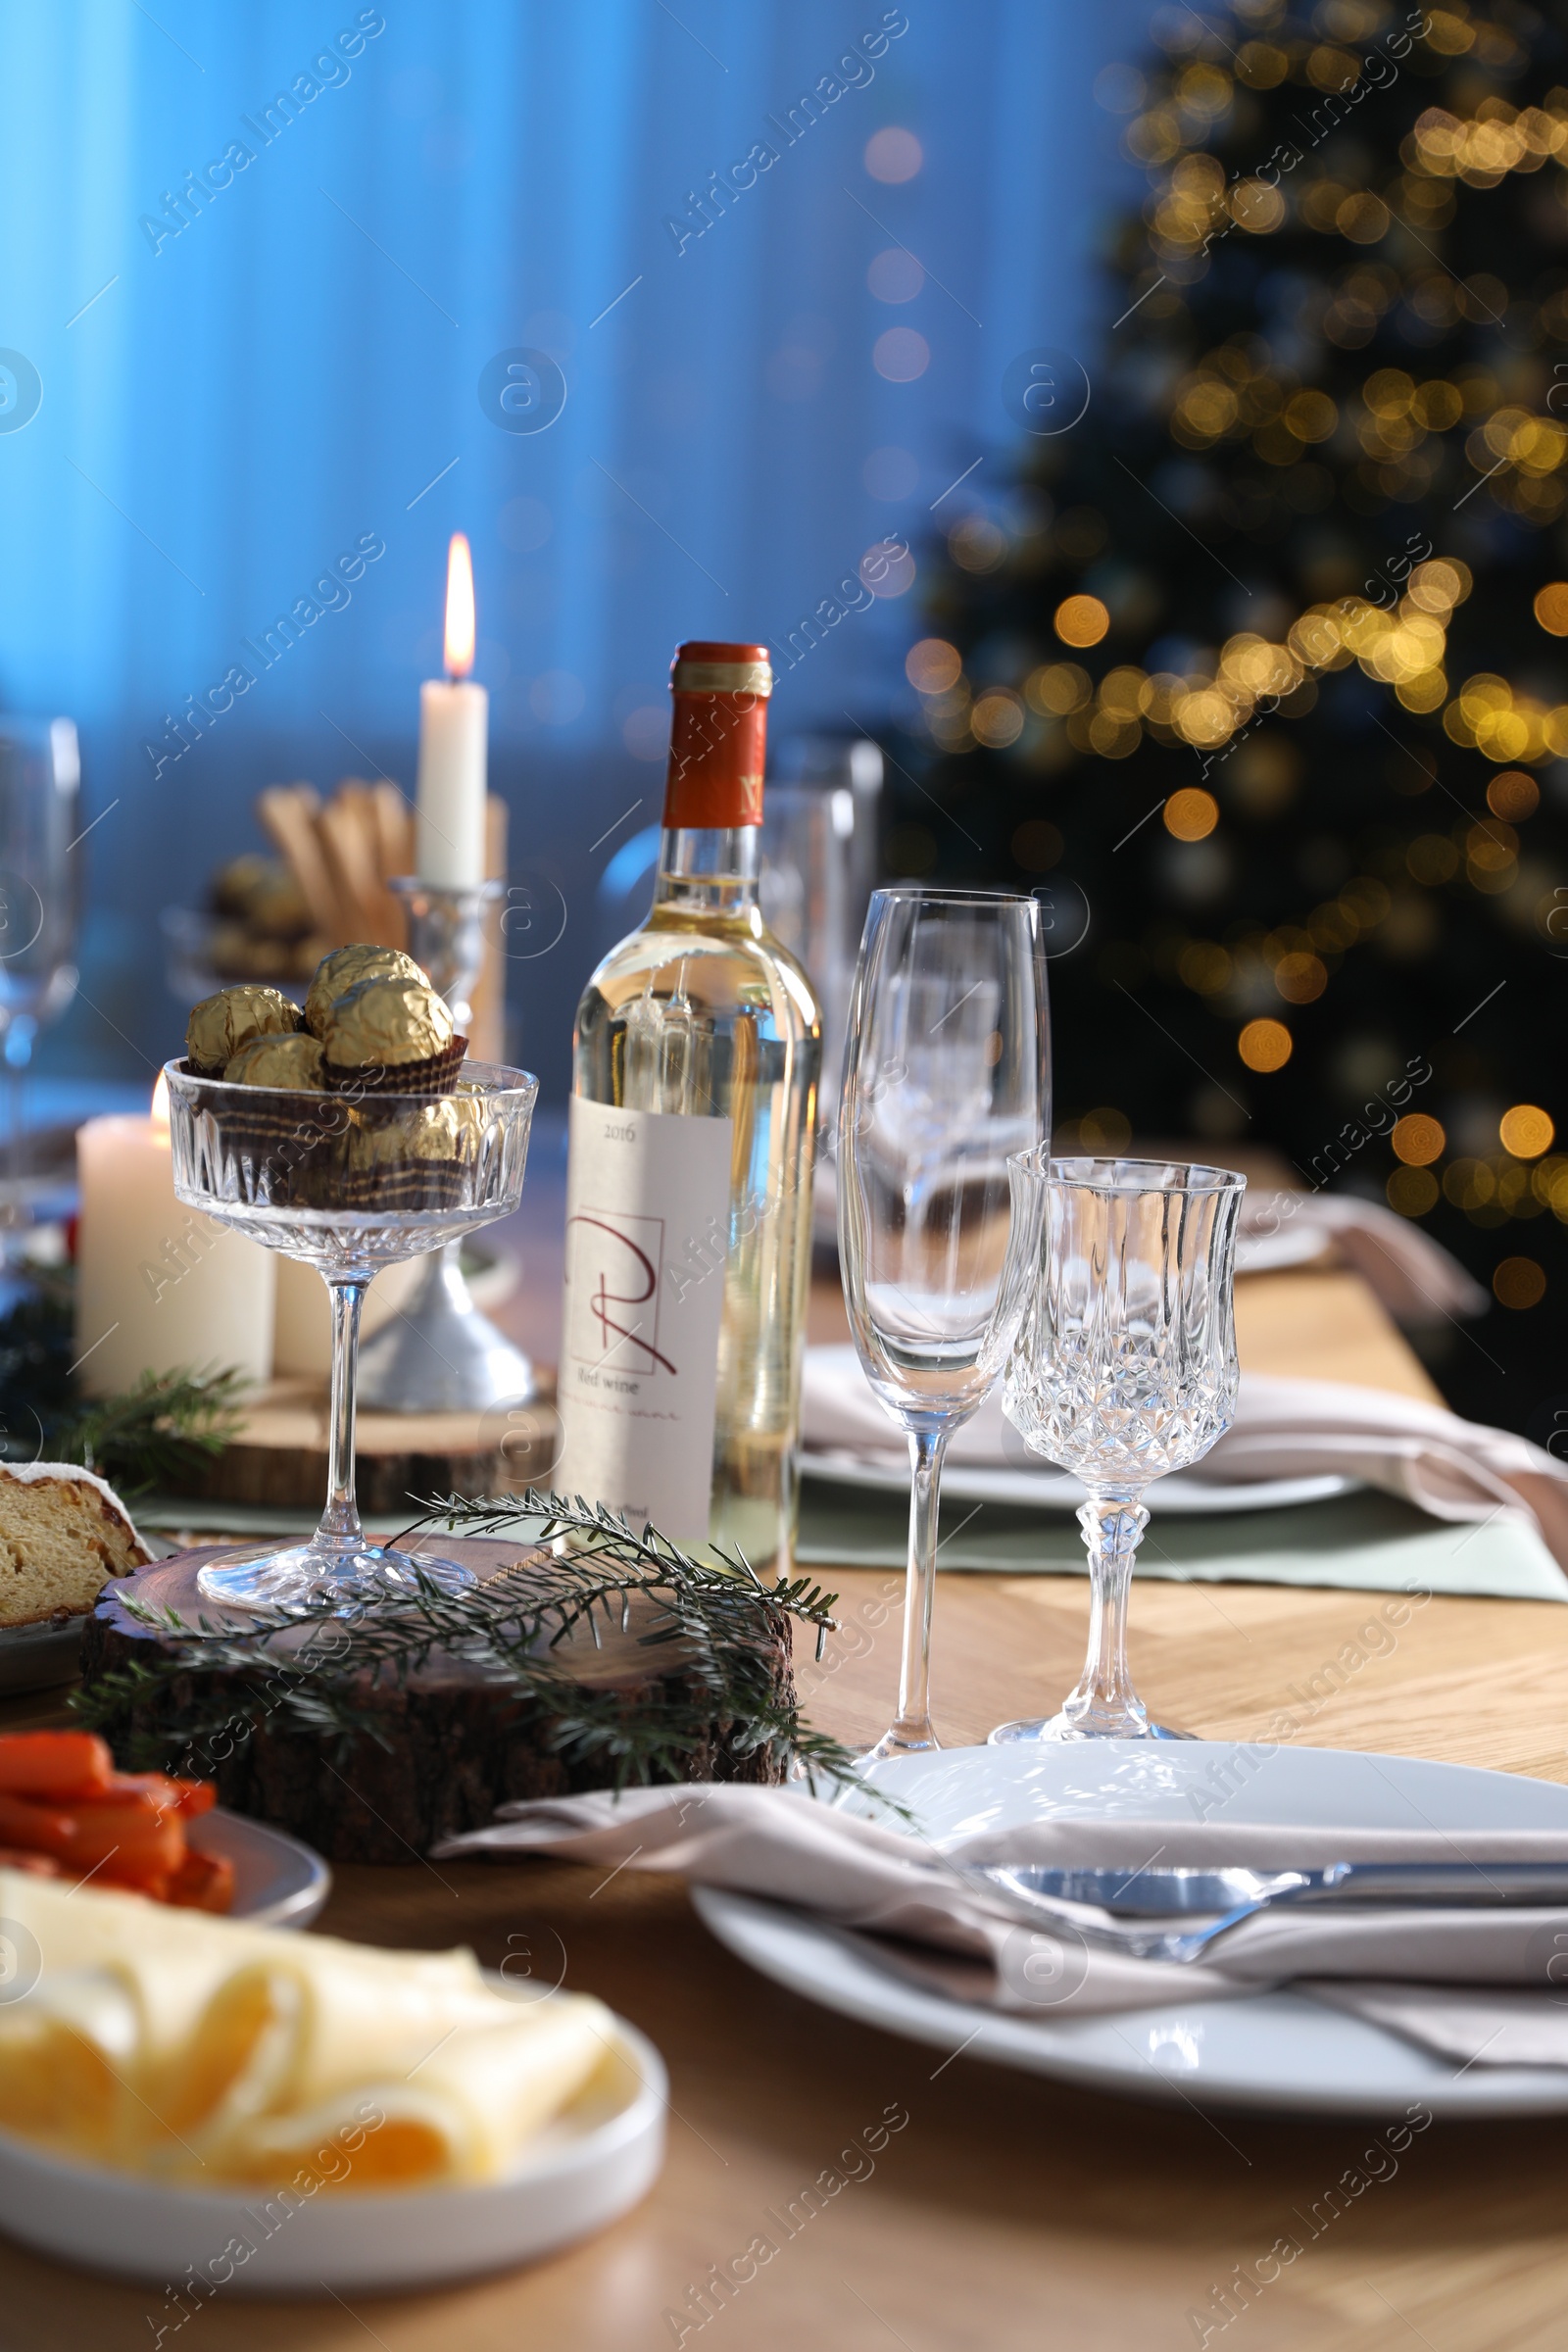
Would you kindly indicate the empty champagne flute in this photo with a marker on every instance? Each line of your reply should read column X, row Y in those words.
column 1124, row 1368
column 946, row 1089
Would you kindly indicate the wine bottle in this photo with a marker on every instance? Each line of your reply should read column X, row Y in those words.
column 696, row 1061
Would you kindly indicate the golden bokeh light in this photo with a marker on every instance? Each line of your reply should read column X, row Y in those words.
column 1519, row 1283
column 1190, row 815
column 1513, row 796
column 1551, row 608
column 1301, row 978
column 933, row 665
column 1105, row 1130
column 1081, row 621
column 1526, row 1131
column 1418, row 1140
column 1057, row 688
column 1412, row 1191
column 997, row 718
column 1265, row 1045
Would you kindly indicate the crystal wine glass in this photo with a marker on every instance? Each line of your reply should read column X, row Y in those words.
column 945, row 1085
column 1124, row 1368
column 350, row 1182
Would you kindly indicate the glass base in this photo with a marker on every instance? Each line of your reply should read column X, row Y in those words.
column 259, row 1576
column 1077, row 1726
column 896, row 1742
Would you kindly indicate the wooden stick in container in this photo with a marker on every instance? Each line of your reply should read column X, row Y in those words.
column 287, row 814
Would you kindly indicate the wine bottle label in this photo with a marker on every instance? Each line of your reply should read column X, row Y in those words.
column 647, row 1234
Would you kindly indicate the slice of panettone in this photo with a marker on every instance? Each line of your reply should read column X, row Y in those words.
column 64, row 1532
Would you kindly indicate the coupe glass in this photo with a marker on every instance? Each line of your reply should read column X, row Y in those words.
column 349, row 1182
column 1124, row 1368
column 946, row 1086
column 41, row 772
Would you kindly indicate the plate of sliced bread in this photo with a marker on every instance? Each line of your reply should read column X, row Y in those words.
column 64, row 1532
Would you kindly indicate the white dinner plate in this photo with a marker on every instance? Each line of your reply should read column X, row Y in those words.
column 1182, row 1495
column 590, row 2166
column 278, row 1881
column 1269, row 2049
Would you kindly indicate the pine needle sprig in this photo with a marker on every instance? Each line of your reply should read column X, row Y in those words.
column 308, row 1666
column 162, row 1433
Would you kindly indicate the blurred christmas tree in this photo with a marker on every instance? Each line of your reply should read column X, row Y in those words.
column 1259, row 666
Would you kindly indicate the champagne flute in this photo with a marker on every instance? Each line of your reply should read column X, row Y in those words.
column 1124, row 1369
column 946, row 1086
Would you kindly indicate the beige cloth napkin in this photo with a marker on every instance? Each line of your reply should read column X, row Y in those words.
column 1417, row 1280
column 902, row 1898
column 1448, row 1467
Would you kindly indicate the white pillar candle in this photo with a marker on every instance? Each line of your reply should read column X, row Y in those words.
column 160, row 1288
column 448, row 831
column 453, row 733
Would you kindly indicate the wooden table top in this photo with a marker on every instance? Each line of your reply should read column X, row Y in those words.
column 1009, row 2210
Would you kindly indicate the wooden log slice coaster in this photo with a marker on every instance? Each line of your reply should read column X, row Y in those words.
column 449, row 1745
column 277, row 1458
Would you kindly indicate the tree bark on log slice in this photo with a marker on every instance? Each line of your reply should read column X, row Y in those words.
column 456, row 1744
column 277, row 1456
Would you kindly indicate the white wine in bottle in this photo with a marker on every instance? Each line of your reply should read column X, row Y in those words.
column 696, row 1062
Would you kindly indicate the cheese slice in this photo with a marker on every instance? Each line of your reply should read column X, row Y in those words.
column 166, row 2041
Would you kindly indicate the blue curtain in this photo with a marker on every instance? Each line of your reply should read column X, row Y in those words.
column 258, row 261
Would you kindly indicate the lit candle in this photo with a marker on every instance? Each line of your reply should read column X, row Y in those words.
column 160, row 1288
column 454, row 726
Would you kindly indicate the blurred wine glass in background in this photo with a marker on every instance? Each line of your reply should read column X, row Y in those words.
column 41, row 776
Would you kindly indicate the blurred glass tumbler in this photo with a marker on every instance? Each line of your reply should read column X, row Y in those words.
column 350, row 1183
column 946, row 1088
column 1124, row 1368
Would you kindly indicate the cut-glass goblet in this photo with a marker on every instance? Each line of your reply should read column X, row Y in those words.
column 350, row 1182
column 1124, row 1369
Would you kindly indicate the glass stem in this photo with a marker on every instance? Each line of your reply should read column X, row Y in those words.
column 340, row 1529
column 1104, row 1701
column 913, row 1728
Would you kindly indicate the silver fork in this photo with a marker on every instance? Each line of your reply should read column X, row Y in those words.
column 1099, row 1904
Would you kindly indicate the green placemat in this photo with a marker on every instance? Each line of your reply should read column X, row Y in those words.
column 1365, row 1542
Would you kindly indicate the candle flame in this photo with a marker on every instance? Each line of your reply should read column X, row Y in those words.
column 460, row 608
column 160, row 1109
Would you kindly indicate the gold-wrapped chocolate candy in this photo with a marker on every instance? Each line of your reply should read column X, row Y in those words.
column 345, row 967
column 386, row 1023
column 435, row 1131
column 411, row 1158
column 292, row 1062
column 219, row 1025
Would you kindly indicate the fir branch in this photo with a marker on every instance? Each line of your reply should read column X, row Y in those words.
column 162, row 1433
column 309, row 1665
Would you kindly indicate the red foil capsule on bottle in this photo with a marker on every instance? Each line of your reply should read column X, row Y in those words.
column 718, row 735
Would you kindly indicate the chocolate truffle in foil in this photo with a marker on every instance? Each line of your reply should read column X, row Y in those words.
column 219, row 1025
column 340, row 971
column 410, row 1158
column 389, row 1024
column 291, row 1061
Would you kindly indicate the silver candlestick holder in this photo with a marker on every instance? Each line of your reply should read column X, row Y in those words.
column 439, row 1354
